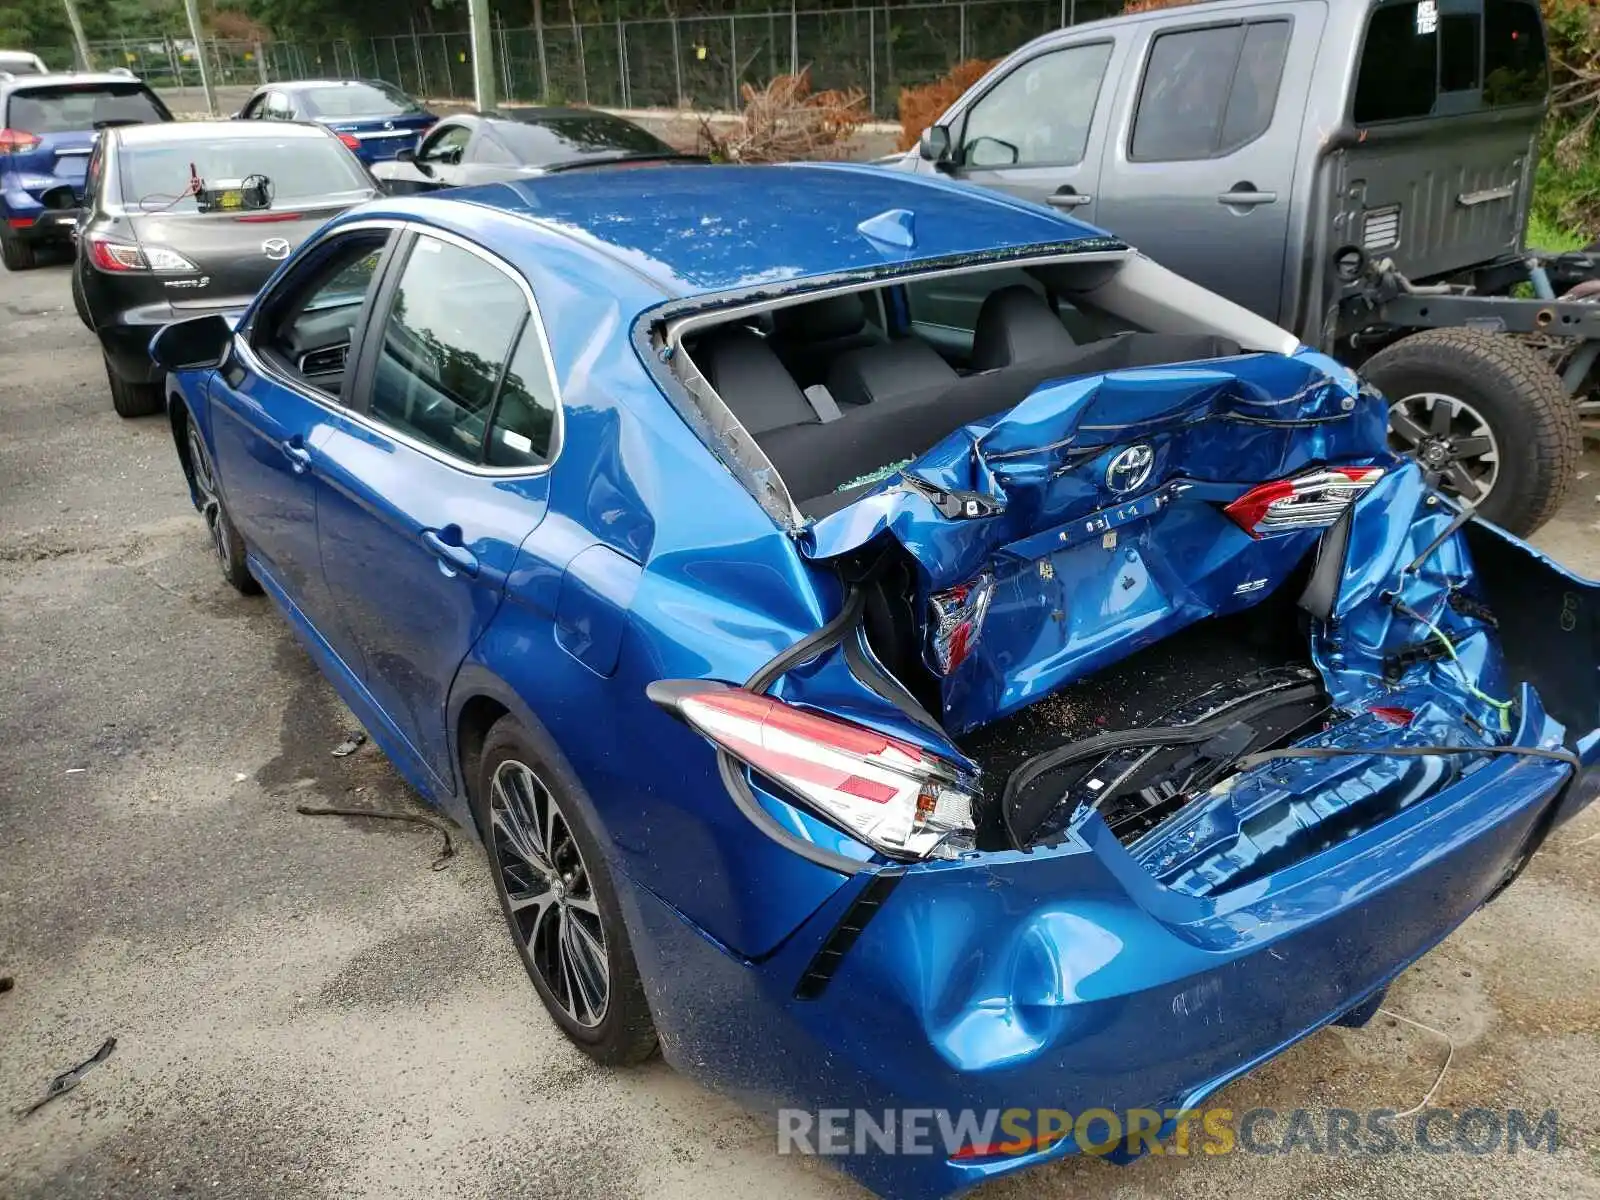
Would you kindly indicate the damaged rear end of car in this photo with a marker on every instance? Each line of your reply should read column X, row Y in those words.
column 1163, row 715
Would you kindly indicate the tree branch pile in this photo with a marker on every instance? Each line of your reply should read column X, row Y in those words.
column 785, row 121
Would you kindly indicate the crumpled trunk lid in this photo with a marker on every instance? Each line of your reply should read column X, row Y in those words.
column 1087, row 521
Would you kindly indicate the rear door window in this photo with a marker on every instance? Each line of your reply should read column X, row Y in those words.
column 444, row 348
column 1040, row 114
column 1208, row 92
column 74, row 107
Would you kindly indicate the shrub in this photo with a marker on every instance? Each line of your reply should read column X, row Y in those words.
column 921, row 106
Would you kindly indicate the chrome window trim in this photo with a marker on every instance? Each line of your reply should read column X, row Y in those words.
column 558, row 434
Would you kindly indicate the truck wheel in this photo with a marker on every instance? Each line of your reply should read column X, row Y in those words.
column 1486, row 417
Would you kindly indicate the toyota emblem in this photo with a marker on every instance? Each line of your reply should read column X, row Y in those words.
column 277, row 249
column 1129, row 470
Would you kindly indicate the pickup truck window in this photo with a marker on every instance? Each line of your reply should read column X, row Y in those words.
column 1040, row 114
column 1208, row 92
column 1514, row 68
column 1414, row 53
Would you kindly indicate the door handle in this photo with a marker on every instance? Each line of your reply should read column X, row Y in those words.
column 295, row 451
column 1067, row 198
column 452, row 555
column 1244, row 195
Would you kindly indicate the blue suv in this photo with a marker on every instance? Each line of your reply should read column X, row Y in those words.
column 48, row 125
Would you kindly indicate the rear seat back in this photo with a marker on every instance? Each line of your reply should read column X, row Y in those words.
column 745, row 372
column 808, row 338
column 815, row 459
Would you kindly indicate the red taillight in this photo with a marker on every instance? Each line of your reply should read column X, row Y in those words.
column 891, row 794
column 114, row 256
column 19, row 222
column 1312, row 501
column 1391, row 714
column 957, row 620
column 350, row 139
column 17, row 141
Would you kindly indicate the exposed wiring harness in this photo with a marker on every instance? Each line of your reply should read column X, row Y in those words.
column 1501, row 707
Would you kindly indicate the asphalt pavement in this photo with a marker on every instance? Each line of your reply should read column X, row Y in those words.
column 303, row 1008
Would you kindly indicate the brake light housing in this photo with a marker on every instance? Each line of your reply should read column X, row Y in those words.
column 350, row 140
column 108, row 254
column 17, row 141
column 1314, row 500
column 956, row 621
column 894, row 796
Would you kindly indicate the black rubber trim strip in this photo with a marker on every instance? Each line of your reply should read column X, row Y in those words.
column 819, row 972
column 1254, row 760
column 732, row 770
column 1158, row 735
column 884, row 685
column 813, row 644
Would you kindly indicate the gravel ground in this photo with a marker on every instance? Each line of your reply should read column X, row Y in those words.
column 303, row 1008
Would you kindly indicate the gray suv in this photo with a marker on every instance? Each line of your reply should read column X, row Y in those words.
column 1357, row 172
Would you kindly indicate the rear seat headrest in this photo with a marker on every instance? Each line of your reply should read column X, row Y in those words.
column 822, row 320
column 878, row 373
column 1015, row 325
column 740, row 365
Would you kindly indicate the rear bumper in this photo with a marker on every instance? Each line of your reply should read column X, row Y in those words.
column 56, row 225
column 1067, row 979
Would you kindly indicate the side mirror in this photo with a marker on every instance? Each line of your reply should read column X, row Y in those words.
column 405, row 154
column 934, row 144
column 196, row 343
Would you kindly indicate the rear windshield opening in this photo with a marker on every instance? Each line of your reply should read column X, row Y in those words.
column 301, row 170
column 73, row 107
column 357, row 100
column 1420, row 61
column 841, row 391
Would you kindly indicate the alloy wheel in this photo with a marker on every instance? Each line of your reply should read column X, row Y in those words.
column 549, row 894
column 1451, row 440
column 205, row 483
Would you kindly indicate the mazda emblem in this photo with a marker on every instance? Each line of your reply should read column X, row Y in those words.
column 277, row 249
column 1130, row 469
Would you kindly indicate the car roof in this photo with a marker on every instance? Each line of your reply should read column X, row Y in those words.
column 167, row 132
column 58, row 78
column 301, row 85
column 690, row 230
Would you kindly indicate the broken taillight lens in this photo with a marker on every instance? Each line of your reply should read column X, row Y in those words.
column 1312, row 501
column 894, row 796
column 957, row 621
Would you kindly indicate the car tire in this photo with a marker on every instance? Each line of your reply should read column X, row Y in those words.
column 1453, row 391
column 17, row 254
column 560, row 905
column 78, row 303
column 133, row 399
column 226, row 542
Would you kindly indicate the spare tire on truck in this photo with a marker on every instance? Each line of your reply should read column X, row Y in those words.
column 1486, row 417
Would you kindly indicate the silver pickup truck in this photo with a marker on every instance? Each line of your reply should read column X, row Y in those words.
column 1358, row 172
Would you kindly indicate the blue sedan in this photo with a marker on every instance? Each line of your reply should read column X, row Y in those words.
column 375, row 119
column 900, row 648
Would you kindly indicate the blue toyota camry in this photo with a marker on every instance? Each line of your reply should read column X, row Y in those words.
column 900, row 648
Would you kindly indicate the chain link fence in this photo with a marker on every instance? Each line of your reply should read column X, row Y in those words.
column 677, row 62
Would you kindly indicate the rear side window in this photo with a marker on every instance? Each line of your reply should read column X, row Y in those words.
column 1515, row 70
column 522, row 430
column 446, row 341
column 1208, row 92
column 67, row 108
